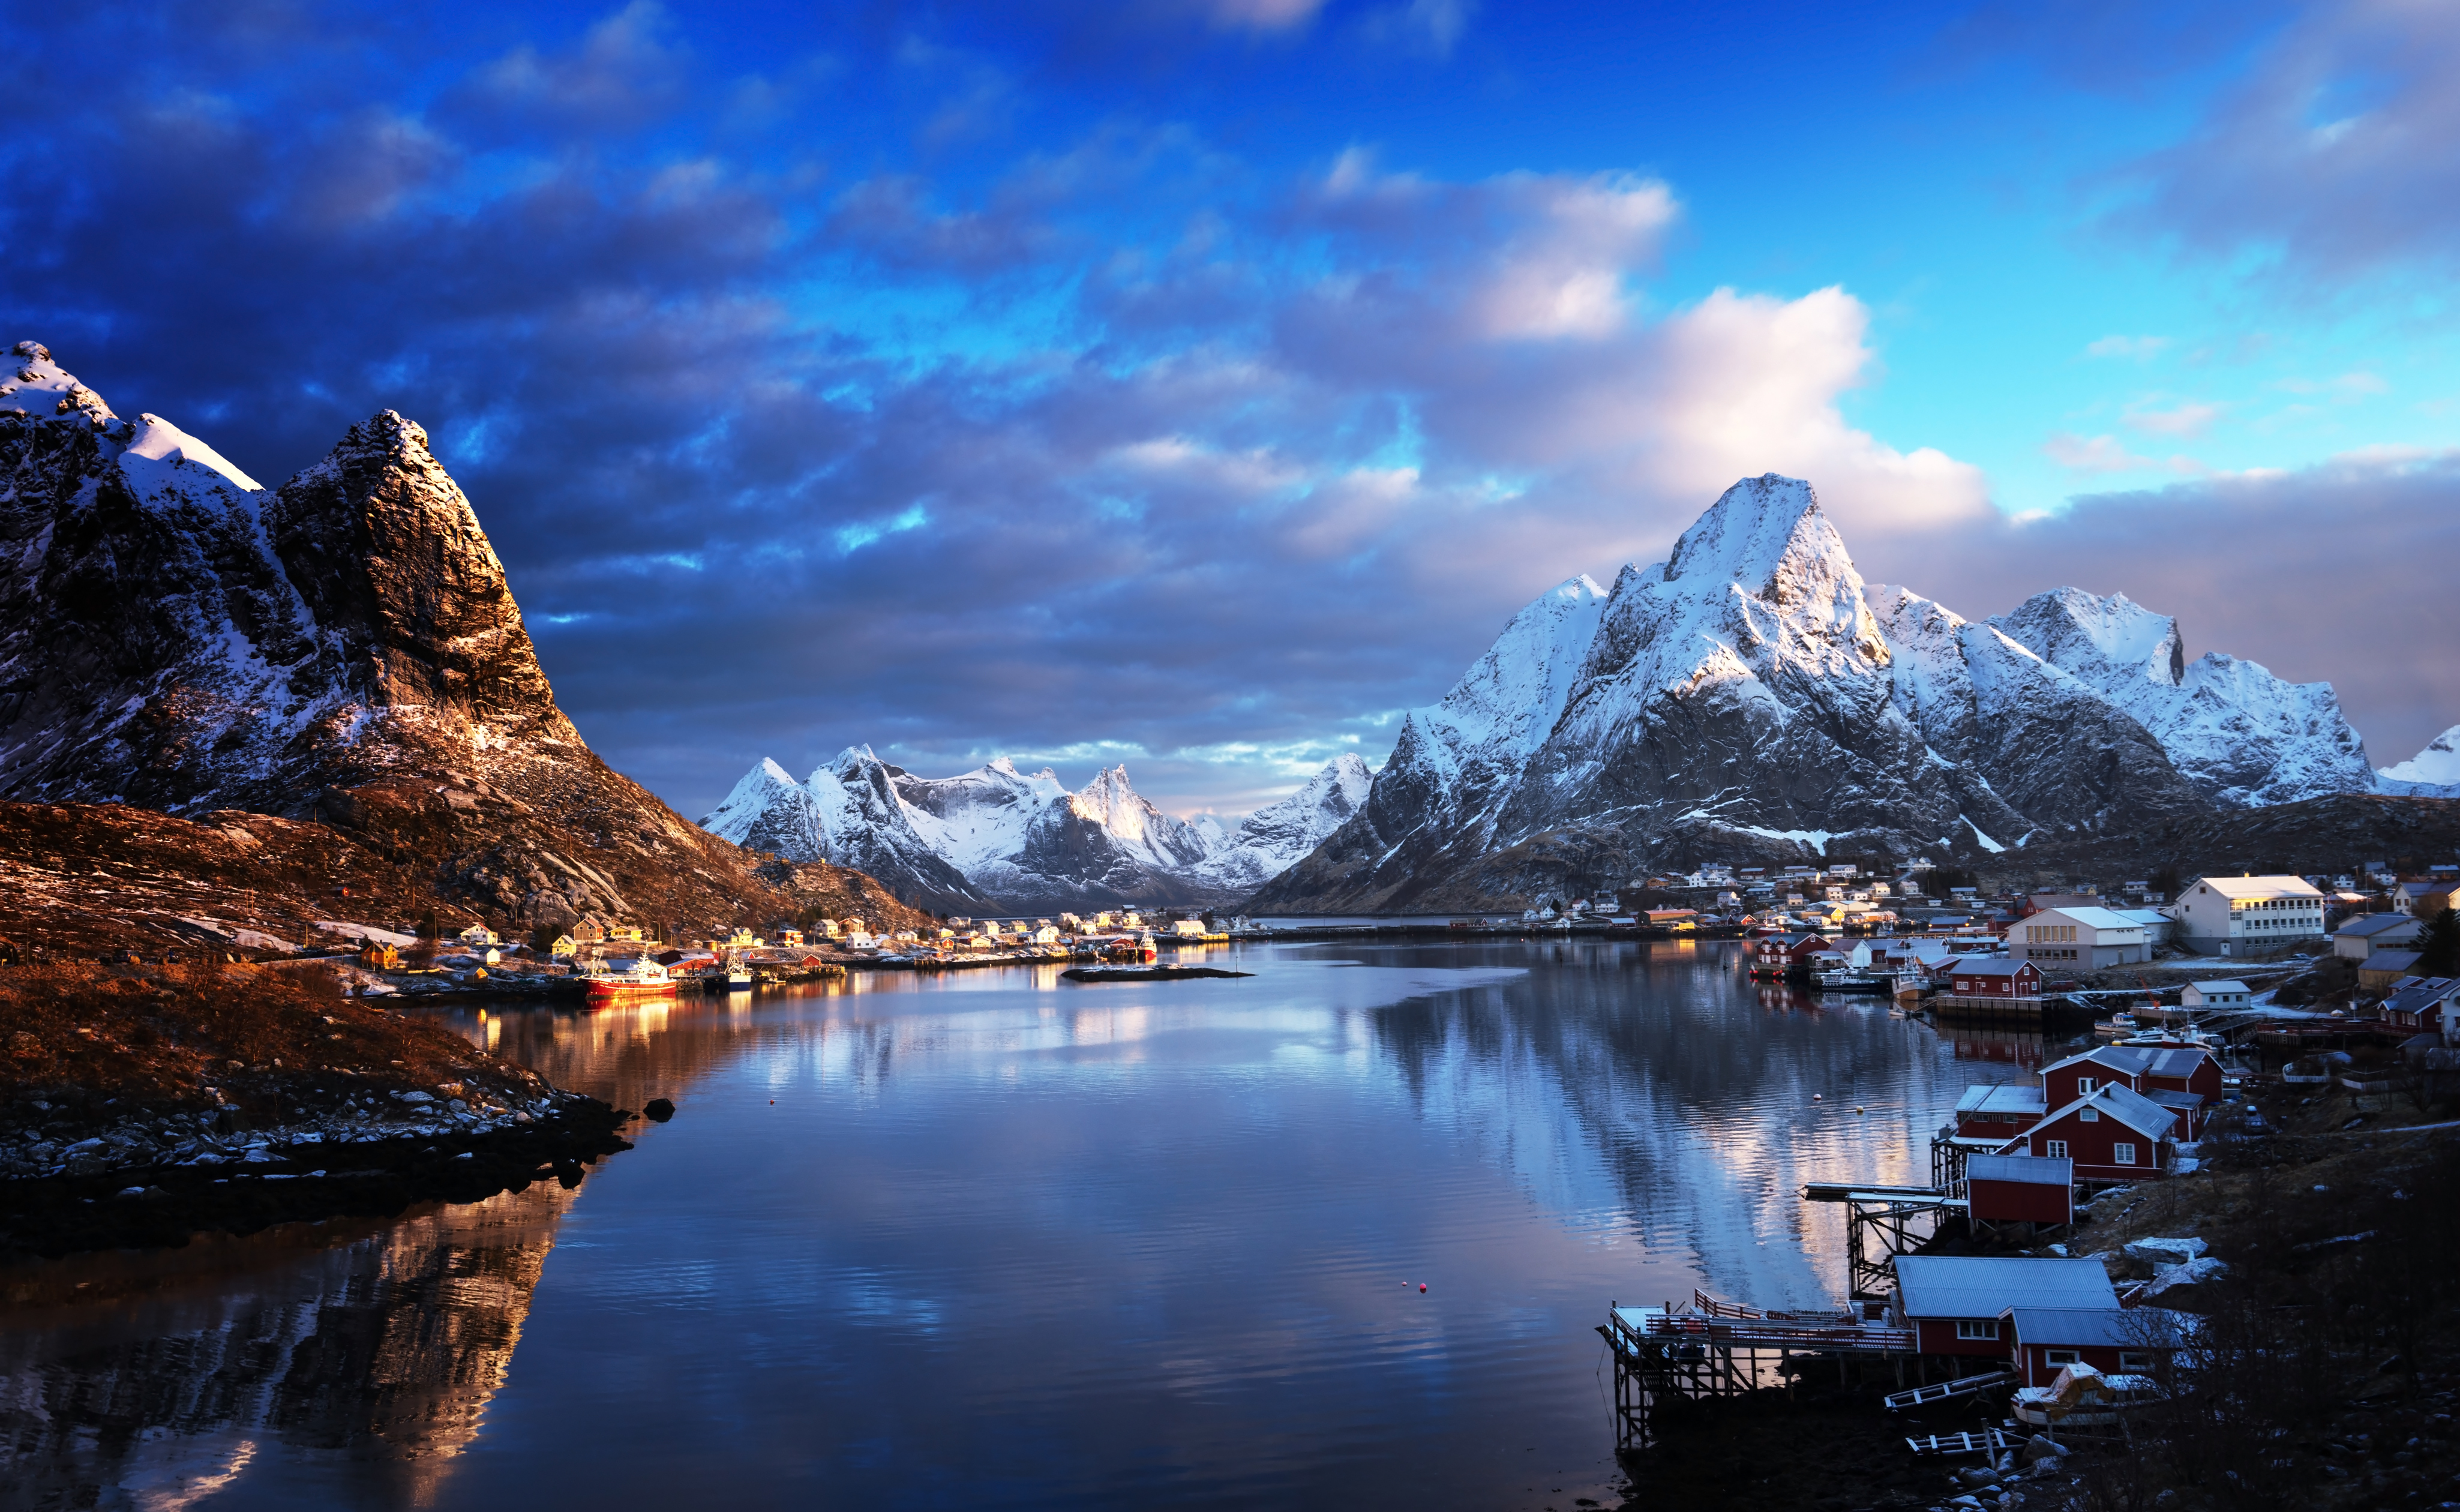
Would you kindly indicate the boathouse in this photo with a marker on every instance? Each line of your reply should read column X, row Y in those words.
column 1957, row 1304
column 2112, row 1340
column 2112, row 1135
column 1994, row 981
column 1776, row 955
column 2019, row 1190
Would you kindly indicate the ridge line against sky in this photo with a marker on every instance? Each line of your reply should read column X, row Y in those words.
column 1201, row 384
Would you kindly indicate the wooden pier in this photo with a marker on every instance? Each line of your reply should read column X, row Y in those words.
column 1880, row 1224
column 1708, row 1347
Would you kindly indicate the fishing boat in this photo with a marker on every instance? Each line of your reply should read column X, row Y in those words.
column 737, row 975
column 625, row 981
column 1139, row 948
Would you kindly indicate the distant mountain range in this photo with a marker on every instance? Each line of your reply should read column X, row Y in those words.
column 1752, row 696
column 996, row 839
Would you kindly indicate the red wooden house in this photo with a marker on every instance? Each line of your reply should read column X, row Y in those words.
column 2112, row 1135
column 2186, row 1081
column 1994, row 977
column 1778, row 954
column 2019, row 1190
column 2129, row 1341
column 1956, row 1303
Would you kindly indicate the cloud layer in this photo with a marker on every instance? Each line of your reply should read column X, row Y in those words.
column 851, row 391
column 1118, row 447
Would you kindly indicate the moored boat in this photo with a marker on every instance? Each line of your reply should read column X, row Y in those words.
column 619, row 982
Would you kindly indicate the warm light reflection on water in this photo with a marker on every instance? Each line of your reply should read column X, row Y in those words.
column 994, row 1239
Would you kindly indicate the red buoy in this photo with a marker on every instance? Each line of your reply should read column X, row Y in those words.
column 1422, row 1285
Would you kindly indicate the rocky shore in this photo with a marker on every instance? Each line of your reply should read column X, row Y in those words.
column 143, row 1106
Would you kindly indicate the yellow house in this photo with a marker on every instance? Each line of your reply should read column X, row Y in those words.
column 626, row 931
column 741, row 940
column 564, row 947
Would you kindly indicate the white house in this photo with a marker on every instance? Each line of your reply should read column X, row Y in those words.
column 2243, row 915
column 2214, row 994
column 478, row 934
column 2368, row 932
column 2080, row 936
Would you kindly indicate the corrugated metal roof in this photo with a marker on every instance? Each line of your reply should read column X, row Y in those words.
column 2005, row 1097
column 1987, row 1286
column 2031, row 1170
column 2098, row 918
column 2282, row 887
column 2111, row 1328
column 1981, row 966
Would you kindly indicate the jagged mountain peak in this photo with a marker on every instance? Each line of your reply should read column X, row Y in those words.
column 1769, row 536
column 2433, row 773
column 994, row 837
column 2073, row 629
column 1753, row 695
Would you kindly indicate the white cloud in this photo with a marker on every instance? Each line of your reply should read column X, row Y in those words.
column 2137, row 349
column 2188, row 419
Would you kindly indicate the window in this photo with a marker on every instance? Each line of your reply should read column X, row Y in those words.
column 2089, row 1116
column 1977, row 1328
column 2134, row 1360
column 2054, row 1149
column 2122, row 1154
column 2084, row 1086
column 2058, row 1358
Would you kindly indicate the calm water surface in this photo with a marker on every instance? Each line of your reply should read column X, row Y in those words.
column 996, row 1239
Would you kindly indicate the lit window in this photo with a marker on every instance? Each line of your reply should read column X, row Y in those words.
column 1977, row 1328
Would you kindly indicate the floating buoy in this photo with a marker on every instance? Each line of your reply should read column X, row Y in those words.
column 1860, row 1110
column 1817, row 1096
column 1422, row 1285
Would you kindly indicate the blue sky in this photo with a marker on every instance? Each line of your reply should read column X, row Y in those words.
column 1199, row 383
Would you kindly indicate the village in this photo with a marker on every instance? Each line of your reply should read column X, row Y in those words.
column 2055, row 1316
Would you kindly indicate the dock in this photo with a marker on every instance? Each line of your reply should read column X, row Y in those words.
column 1709, row 1348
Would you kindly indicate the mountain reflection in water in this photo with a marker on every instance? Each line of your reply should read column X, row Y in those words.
column 991, row 1239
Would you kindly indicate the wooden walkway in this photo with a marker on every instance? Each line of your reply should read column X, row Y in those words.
column 1706, row 1347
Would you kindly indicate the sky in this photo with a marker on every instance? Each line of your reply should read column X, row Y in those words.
column 1201, row 384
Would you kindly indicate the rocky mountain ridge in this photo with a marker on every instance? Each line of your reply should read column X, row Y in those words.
column 1754, row 696
column 995, row 838
column 342, row 651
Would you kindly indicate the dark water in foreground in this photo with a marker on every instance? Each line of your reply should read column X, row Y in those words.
column 995, row 1240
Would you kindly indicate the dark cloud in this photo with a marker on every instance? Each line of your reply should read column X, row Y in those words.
column 2337, row 153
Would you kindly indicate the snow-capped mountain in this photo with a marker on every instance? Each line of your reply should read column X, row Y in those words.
column 2242, row 736
column 343, row 649
column 2433, row 773
column 998, row 837
column 1751, row 693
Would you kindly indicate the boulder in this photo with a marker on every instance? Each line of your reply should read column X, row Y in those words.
column 657, row 1109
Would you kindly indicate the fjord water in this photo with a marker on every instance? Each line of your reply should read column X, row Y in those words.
column 996, row 1239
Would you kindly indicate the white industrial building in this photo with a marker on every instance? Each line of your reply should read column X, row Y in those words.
column 2078, row 936
column 2248, row 915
